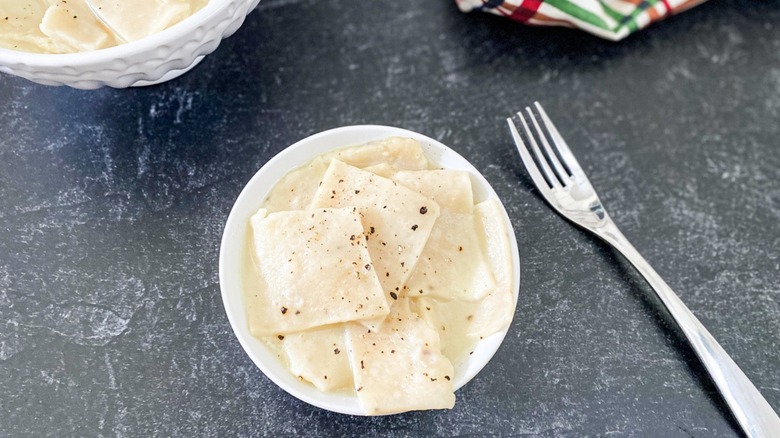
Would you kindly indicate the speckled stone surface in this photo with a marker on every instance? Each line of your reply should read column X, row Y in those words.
column 112, row 205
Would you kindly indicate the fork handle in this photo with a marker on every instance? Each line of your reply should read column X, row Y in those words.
column 751, row 410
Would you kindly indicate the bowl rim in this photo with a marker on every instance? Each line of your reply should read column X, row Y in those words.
column 151, row 42
column 234, row 239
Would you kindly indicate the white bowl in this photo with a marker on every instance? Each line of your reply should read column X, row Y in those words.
column 154, row 59
column 234, row 240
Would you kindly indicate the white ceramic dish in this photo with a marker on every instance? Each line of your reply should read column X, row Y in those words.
column 154, row 59
column 234, row 240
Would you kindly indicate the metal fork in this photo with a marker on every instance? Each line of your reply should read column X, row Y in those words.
column 565, row 187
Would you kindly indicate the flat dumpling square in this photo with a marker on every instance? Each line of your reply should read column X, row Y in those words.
column 315, row 270
column 451, row 189
column 382, row 169
column 398, row 152
column 131, row 20
column 397, row 221
column 400, row 367
column 319, row 356
column 495, row 311
column 72, row 23
column 296, row 189
column 452, row 265
column 473, row 320
column 452, row 320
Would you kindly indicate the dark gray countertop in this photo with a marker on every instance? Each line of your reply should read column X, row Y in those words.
column 112, row 204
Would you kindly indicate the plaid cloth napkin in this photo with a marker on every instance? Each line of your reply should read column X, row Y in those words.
column 610, row 19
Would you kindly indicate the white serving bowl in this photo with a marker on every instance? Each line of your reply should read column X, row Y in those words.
column 151, row 60
column 234, row 241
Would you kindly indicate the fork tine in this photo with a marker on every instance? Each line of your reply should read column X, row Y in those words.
column 560, row 144
column 545, row 167
column 563, row 176
column 528, row 161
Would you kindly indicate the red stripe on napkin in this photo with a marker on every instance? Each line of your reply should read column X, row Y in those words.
column 667, row 6
column 527, row 10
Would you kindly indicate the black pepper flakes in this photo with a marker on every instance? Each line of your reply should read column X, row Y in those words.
column 336, row 351
column 352, row 237
column 372, row 230
column 368, row 267
column 297, row 312
column 423, row 209
column 362, row 367
column 414, row 227
column 393, row 295
column 281, row 337
column 284, row 310
column 357, row 192
column 447, row 377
